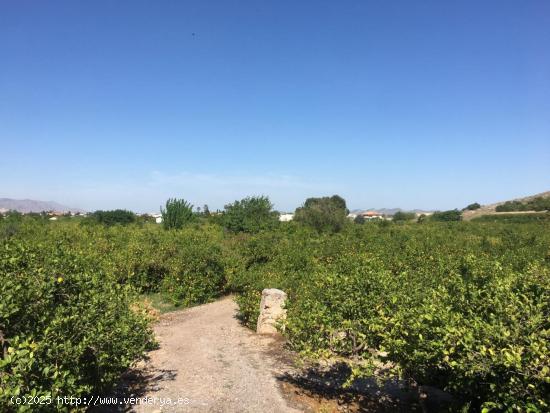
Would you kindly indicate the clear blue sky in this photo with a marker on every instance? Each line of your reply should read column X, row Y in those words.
column 413, row 104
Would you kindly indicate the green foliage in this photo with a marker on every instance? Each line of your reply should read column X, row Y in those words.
column 359, row 219
column 11, row 222
column 42, row 216
column 511, row 206
column 249, row 310
column 472, row 207
column 13, row 216
column 383, row 223
column 536, row 204
column 67, row 327
column 403, row 216
column 196, row 274
column 143, row 219
column 462, row 306
column 514, row 218
column 446, row 216
column 117, row 216
column 251, row 215
column 335, row 201
column 422, row 218
column 326, row 214
column 177, row 214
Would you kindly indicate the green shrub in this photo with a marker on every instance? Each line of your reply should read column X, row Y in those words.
column 359, row 219
column 536, row 204
column 68, row 328
column 472, row 207
column 403, row 216
column 514, row 218
column 117, row 216
column 446, row 216
column 196, row 273
column 249, row 310
column 464, row 307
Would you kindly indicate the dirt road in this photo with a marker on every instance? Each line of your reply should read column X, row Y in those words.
column 208, row 362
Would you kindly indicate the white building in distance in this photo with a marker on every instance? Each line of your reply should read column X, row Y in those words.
column 286, row 217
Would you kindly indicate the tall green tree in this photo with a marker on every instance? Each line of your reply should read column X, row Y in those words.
column 251, row 214
column 177, row 214
column 325, row 214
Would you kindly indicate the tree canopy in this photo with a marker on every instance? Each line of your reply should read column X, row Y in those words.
column 251, row 214
column 324, row 214
column 443, row 216
column 117, row 216
column 403, row 216
column 472, row 207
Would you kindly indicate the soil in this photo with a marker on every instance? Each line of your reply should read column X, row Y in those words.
column 208, row 362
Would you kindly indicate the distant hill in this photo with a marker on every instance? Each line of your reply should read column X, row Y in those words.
column 491, row 208
column 30, row 205
column 390, row 211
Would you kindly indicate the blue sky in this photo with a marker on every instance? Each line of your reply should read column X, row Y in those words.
column 412, row 104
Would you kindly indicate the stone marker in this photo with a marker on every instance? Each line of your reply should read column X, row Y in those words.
column 271, row 311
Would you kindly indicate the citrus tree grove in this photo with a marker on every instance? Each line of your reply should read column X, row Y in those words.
column 462, row 306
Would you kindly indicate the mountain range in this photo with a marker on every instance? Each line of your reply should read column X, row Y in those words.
column 390, row 211
column 30, row 205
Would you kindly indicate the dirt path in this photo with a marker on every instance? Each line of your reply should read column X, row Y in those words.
column 213, row 363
